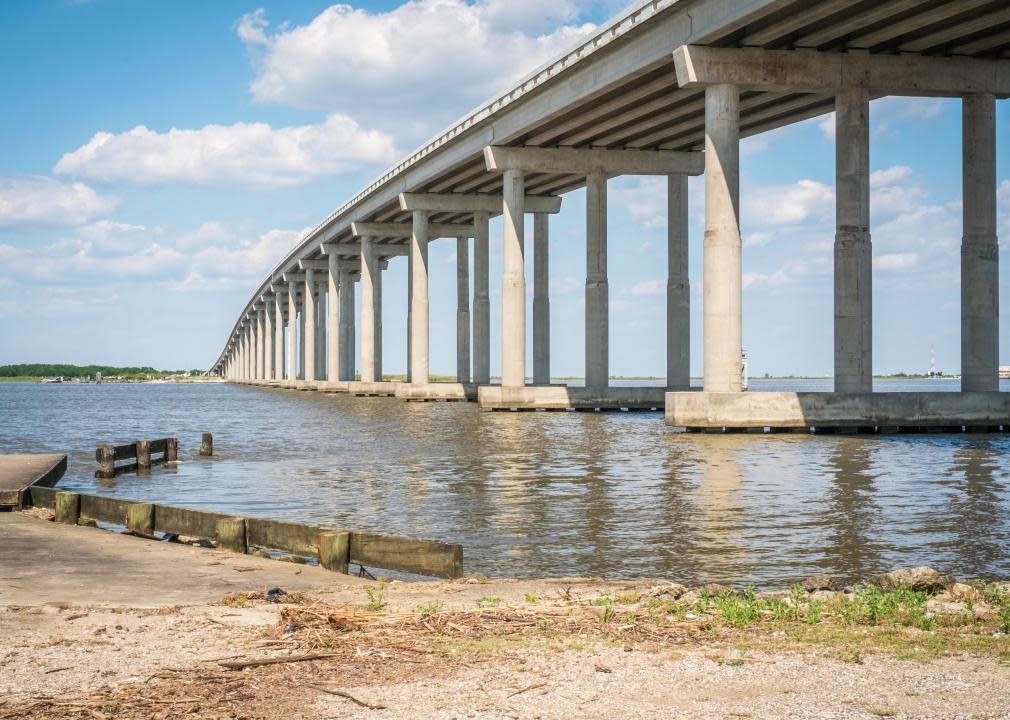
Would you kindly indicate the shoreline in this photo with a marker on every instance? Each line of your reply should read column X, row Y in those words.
column 167, row 630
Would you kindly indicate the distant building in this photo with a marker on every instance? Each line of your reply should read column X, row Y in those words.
column 1004, row 372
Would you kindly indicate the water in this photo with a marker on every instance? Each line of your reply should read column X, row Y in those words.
column 549, row 494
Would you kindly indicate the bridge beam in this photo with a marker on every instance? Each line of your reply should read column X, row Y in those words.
column 823, row 72
column 592, row 161
column 460, row 203
column 405, row 230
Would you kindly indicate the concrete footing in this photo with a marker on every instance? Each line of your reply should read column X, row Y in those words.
column 373, row 389
column 444, row 391
column 340, row 386
column 840, row 412
column 561, row 397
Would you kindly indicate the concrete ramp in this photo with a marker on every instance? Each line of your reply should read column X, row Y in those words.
column 20, row 472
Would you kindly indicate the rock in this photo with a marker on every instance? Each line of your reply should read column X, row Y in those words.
column 961, row 590
column 260, row 552
column 917, row 578
column 296, row 559
column 819, row 582
column 714, row 589
column 670, row 591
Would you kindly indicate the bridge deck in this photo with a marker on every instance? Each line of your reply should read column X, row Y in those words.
column 18, row 472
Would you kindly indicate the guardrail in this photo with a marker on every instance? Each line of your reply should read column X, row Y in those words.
column 334, row 549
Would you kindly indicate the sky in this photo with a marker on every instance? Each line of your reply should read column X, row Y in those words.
column 158, row 159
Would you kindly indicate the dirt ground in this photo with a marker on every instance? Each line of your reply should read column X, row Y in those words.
column 473, row 648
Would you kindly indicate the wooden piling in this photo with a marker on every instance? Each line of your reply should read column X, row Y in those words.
column 68, row 508
column 106, row 457
column 172, row 450
column 143, row 456
column 335, row 550
column 231, row 535
column 207, row 445
column 140, row 519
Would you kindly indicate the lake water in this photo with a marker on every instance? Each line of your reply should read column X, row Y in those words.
column 550, row 494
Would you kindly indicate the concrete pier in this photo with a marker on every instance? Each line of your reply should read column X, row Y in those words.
column 268, row 338
column 346, row 329
column 371, row 317
column 513, row 282
column 979, row 247
column 333, row 336
column 597, row 284
column 678, row 287
column 419, row 299
column 280, row 300
column 541, row 300
column 309, row 326
column 481, row 301
column 853, row 252
column 722, row 262
column 292, row 331
column 463, row 310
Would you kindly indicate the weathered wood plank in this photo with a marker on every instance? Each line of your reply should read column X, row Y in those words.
column 43, row 497
column 104, row 509
column 184, row 521
column 420, row 557
column 277, row 535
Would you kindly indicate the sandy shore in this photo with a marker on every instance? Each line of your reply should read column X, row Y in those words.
column 342, row 647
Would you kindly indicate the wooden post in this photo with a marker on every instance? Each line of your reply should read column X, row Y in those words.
column 68, row 508
column 106, row 458
column 140, row 519
column 335, row 550
column 143, row 456
column 172, row 449
column 207, row 445
column 231, row 535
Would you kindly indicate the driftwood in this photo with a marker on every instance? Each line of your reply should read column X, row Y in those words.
column 275, row 661
column 347, row 695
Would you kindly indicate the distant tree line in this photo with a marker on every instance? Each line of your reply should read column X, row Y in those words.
column 77, row 371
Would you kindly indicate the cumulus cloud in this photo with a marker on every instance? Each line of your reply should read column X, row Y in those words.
column 244, row 154
column 433, row 57
column 40, row 200
column 896, row 261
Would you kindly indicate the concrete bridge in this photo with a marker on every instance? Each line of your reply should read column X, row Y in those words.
column 667, row 88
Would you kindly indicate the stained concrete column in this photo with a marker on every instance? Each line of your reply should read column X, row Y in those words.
column 279, row 335
column 513, row 326
column 597, row 286
column 723, row 322
column 410, row 312
column 419, row 299
column 333, row 320
column 370, row 327
column 247, row 351
column 268, row 338
column 377, row 305
column 979, row 247
column 309, row 326
column 481, row 301
column 678, row 286
column 541, row 300
column 292, row 331
column 853, row 249
column 463, row 310
column 346, row 327
column 240, row 353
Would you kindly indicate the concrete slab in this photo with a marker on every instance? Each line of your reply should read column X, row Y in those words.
column 18, row 472
column 340, row 386
column 899, row 411
column 47, row 563
column 445, row 391
column 560, row 397
column 373, row 389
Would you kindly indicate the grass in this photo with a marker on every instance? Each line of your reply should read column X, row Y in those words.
column 377, row 595
column 428, row 608
column 489, row 601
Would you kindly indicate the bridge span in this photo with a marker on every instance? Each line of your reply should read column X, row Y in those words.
column 667, row 88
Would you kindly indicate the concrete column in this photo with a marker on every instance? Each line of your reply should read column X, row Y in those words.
column 240, row 352
column 853, row 249
column 597, row 286
column 419, row 299
column 678, row 287
column 722, row 260
column 333, row 320
column 279, row 336
column 513, row 326
column 346, row 329
column 268, row 338
column 463, row 310
column 309, row 325
column 541, row 300
column 320, row 329
column 377, row 304
column 292, row 331
column 481, row 301
column 410, row 312
column 247, row 354
column 979, row 247
column 370, row 327
column 260, row 344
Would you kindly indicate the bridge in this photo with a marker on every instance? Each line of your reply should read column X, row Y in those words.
column 667, row 88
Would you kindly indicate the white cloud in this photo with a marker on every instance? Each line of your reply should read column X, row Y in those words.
column 44, row 201
column 648, row 287
column 890, row 176
column 434, row 57
column 770, row 206
column 245, row 154
column 896, row 261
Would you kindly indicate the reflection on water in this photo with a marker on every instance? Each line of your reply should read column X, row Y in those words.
column 617, row 495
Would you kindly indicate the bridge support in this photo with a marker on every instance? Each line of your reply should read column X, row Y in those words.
column 419, row 299
column 268, row 337
column 292, row 331
column 513, row 324
column 481, row 301
column 309, row 326
column 463, row 309
column 597, row 285
column 346, row 329
column 541, row 300
column 371, row 313
column 279, row 300
column 678, row 286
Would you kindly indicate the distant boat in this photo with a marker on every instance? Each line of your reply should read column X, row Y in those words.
column 54, row 381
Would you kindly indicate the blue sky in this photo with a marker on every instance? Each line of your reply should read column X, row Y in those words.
column 158, row 158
